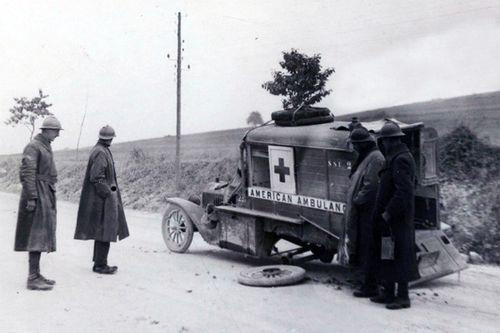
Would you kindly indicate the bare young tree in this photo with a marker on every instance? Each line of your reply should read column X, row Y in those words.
column 26, row 111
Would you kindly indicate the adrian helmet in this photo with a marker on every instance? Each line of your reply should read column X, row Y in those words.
column 361, row 134
column 390, row 130
column 106, row 133
column 51, row 122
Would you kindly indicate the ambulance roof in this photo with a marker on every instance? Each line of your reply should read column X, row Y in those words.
column 326, row 136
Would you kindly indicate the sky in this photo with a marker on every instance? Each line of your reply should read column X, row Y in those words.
column 109, row 57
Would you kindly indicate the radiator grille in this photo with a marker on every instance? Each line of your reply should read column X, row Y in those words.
column 214, row 198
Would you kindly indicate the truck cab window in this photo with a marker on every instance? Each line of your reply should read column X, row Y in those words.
column 260, row 166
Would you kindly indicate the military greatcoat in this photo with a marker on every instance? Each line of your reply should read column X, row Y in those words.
column 396, row 196
column 359, row 206
column 100, row 214
column 36, row 230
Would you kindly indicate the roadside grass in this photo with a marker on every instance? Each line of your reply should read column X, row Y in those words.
column 145, row 168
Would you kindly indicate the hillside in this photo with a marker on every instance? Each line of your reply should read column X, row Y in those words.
column 480, row 112
column 146, row 171
column 207, row 145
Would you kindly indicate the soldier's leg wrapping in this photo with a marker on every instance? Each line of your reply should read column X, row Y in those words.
column 370, row 260
column 34, row 263
column 101, row 250
column 389, row 288
column 403, row 289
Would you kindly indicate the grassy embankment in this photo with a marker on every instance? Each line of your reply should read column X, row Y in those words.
column 146, row 171
column 470, row 179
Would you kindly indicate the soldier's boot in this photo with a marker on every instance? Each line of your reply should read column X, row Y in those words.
column 399, row 303
column 101, row 250
column 382, row 299
column 35, row 282
column 47, row 281
column 402, row 300
column 386, row 296
column 368, row 288
column 105, row 269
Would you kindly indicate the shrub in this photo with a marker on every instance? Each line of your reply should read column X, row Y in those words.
column 487, row 236
column 463, row 156
column 469, row 192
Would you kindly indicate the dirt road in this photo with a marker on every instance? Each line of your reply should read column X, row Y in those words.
column 158, row 291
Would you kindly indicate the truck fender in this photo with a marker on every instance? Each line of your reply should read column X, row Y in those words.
column 194, row 211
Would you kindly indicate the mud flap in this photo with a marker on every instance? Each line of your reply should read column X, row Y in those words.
column 436, row 255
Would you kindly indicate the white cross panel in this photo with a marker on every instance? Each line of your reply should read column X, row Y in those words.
column 282, row 169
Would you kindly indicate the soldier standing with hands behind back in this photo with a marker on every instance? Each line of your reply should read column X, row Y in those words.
column 393, row 216
column 36, row 220
column 100, row 214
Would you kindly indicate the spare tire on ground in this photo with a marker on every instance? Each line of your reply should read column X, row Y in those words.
column 272, row 276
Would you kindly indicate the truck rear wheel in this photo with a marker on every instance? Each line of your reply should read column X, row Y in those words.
column 322, row 254
column 177, row 229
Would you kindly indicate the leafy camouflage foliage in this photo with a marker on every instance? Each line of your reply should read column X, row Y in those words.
column 303, row 82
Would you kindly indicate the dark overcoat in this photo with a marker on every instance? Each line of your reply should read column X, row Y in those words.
column 358, row 233
column 396, row 197
column 100, row 214
column 36, row 230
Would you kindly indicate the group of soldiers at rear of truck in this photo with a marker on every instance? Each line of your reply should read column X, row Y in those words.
column 100, row 215
column 380, row 205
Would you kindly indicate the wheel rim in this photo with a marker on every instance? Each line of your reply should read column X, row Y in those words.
column 176, row 227
column 272, row 275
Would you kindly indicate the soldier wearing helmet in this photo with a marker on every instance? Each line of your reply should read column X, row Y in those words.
column 393, row 216
column 100, row 214
column 36, row 222
column 358, row 235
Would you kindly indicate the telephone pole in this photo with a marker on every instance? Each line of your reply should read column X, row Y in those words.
column 178, row 133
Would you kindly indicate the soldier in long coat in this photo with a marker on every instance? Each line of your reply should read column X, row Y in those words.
column 100, row 215
column 36, row 221
column 393, row 216
column 360, row 203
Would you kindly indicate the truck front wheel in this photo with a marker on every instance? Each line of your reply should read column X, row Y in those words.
column 177, row 229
